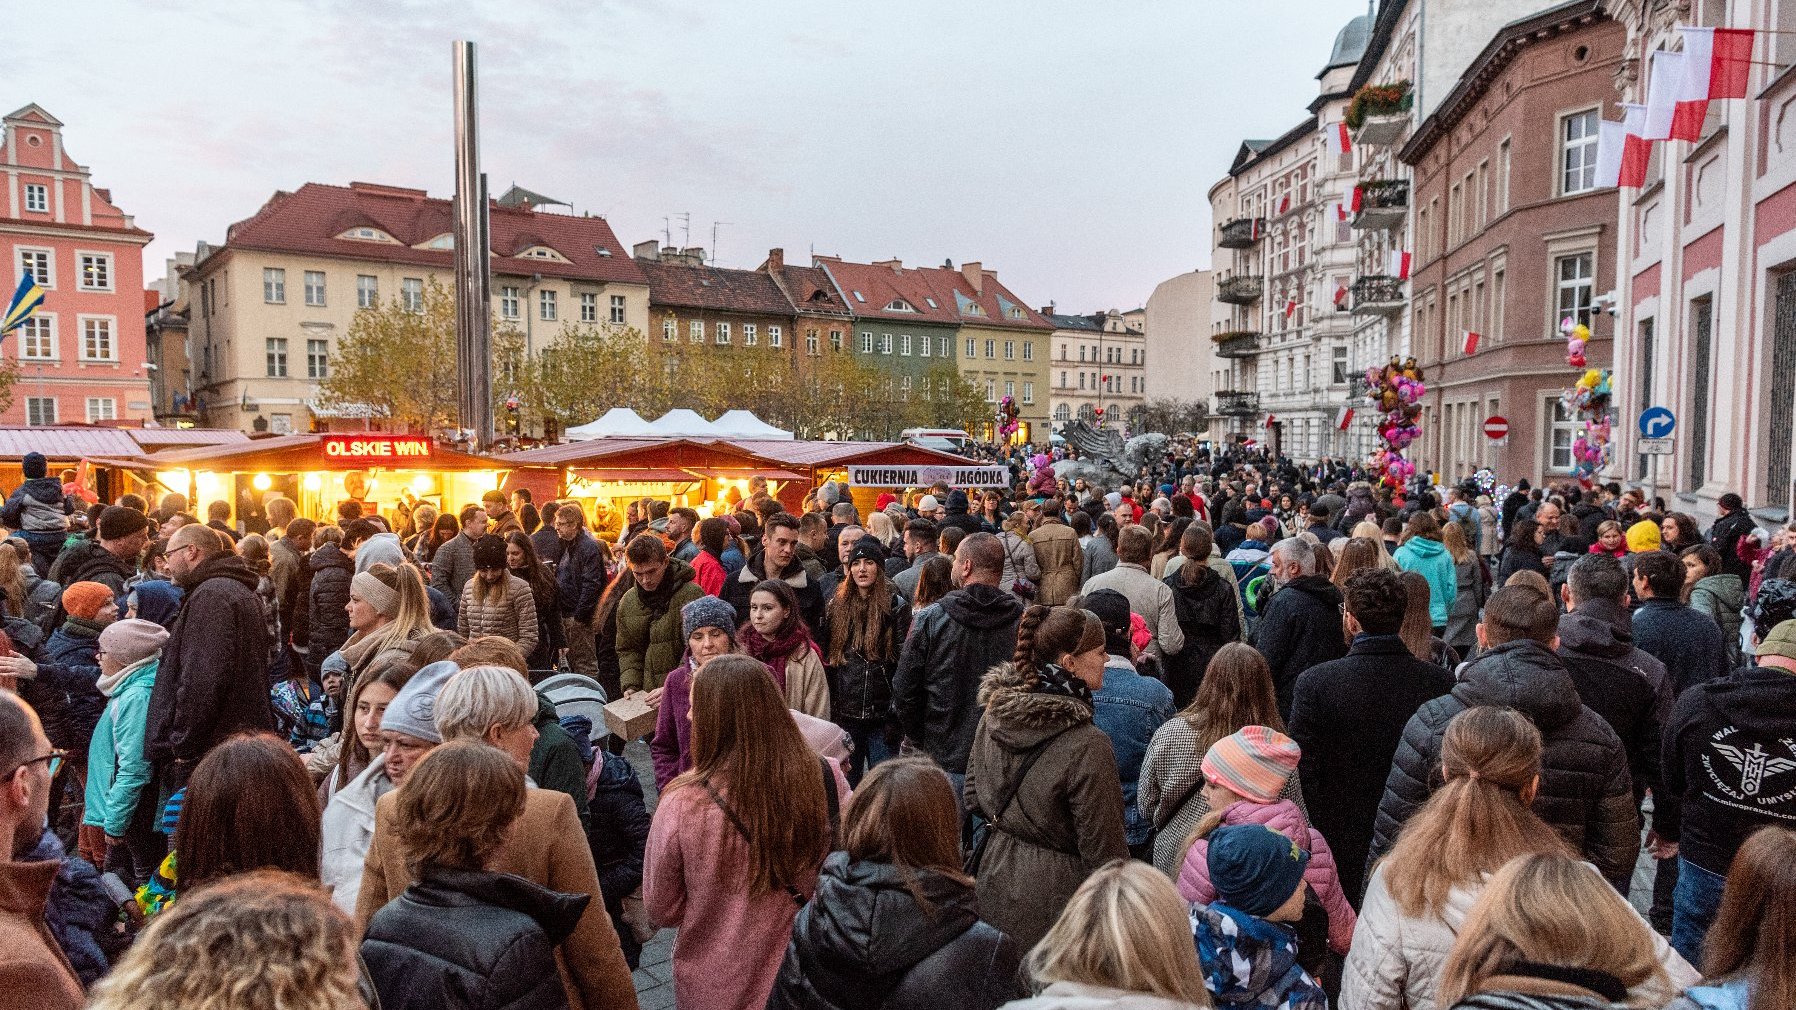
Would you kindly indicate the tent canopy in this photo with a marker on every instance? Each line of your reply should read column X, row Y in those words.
column 744, row 424
column 616, row 421
column 681, row 422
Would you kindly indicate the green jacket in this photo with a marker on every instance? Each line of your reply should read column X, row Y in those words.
column 650, row 640
column 555, row 761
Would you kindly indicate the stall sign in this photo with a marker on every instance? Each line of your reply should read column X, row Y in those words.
column 376, row 447
column 924, row 476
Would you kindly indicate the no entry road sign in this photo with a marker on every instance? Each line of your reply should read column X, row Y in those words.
column 1496, row 427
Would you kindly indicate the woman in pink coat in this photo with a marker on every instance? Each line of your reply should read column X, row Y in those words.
column 1243, row 776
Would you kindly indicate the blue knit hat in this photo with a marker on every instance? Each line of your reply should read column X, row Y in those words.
column 708, row 612
column 1254, row 868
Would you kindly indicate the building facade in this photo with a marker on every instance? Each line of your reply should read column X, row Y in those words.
column 1706, row 310
column 694, row 302
column 1176, row 323
column 81, row 357
column 898, row 323
column 1099, row 367
column 822, row 322
column 1003, row 344
column 1516, row 237
column 165, row 345
column 270, row 304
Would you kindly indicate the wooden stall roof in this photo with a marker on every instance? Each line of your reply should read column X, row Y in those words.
column 159, row 439
column 293, row 453
column 65, row 444
column 831, row 455
column 733, row 458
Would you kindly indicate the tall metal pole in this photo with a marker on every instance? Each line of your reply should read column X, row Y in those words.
column 473, row 321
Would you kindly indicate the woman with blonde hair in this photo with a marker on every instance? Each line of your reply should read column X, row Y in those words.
column 1370, row 530
column 1358, row 553
column 1418, row 624
column 1749, row 957
column 254, row 941
column 1549, row 933
column 1123, row 942
column 1420, row 894
column 388, row 613
column 1472, row 581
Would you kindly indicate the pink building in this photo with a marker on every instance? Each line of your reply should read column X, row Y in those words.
column 81, row 358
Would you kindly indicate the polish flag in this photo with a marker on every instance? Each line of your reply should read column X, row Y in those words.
column 1271, row 420
column 1611, row 141
column 1471, row 342
column 1340, row 294
column 1340, row 212
column 1284, row 204
column 1636, row 150
column 1399, row 265
column 1337, row 138
column 1717, row 61
column 1256, row 229
column 1355, row 199
column 1663, row 83
column 1343, row 418
column 1290, row 307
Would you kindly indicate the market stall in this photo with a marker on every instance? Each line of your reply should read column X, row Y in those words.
column 869, row 469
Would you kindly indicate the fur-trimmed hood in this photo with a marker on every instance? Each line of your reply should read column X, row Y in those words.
column 1018, row 716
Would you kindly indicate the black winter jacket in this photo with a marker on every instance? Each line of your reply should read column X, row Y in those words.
column 471, row 939
column 863, row 943
column 860, row 689
column 327, row 622
column 1725, row 536
column 1585, row 790
column 618, row 836
column 1729, row 758
column 1685, row 639
column 1519, row 558
column 213, row 681
column 87, row 561
column 1210, row 618
column 1623, row 684
column 1300, row 628
column 736, row 591
column 580, row 576
column 935, row 691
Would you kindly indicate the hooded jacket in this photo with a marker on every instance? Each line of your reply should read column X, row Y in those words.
column 1729, row 757
column 1586, row 792
column 1283, row 817
column 327, row 622
column 38, row 506
column 959, row 514
column 158, row 601
column 1065, row 819
column 1209, row 613
column 88, row 561
column 1300, row 628
column 383, row 548
column 469, row 938
column 801, row 578
column 649, row 636
column 1429, row 558
column 214, row 676
column 1249, row 962
column 865, row 942
column 935, row 690
column 64, row 691
column 1623, row 684
column 116, row 769
column 1722, row 597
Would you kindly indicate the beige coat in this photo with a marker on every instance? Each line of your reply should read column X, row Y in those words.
column 807, row 687
column 511, row 617
column 1062, row 561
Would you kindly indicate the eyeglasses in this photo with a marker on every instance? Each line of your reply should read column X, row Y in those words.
column 54, row 757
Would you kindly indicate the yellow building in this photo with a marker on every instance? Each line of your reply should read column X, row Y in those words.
column 1003, row 344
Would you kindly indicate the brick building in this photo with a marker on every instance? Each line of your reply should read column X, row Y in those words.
column 695, row 302
column 81, row 357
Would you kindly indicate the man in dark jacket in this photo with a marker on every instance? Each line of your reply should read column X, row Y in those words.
column 1348, row 715
column 935, row 690
column 111, row 558
column 1685, row 639
column 213, row 681
column 327, row 594
column 1728, row 758
column 778, row 559
column 1301, row 625
column 1625, row 685
column 579, row 582
column 1724, row 536
column 1585, row 791
column 920, row 542
column 1512, row 505
column 960, row 515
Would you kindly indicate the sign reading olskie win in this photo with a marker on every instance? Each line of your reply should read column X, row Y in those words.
column 376, row 447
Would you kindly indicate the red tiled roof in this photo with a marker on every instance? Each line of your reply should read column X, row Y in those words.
column 994, row 298
column 309, row 220
column 880, row 283
column 707, row 287
column 811, row 291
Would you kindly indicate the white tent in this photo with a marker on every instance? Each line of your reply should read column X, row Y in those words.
column 680, row 422
column 616, row 421
column 744, row 424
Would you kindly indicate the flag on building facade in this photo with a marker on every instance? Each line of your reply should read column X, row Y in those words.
column 1637, row 151
column 1664, row 79
column 25, row 302
column 1340, row 294
column 1399, row 264
column 1471, row 342
column 1343, row 417
column 1611, row 139
column 1337, row 138
column 1290, row 307
column 1284, row 204
column 1718, row 61
column 1356, row 199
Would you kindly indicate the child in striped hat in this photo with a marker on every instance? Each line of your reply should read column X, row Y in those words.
column 1243, row 776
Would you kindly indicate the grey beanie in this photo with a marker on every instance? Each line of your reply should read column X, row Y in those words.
column 708, row 612
column 413, row 710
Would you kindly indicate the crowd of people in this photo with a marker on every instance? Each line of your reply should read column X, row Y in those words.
column 1238, row 732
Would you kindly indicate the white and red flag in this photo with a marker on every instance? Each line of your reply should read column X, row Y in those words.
column 1636, row 151
column 1343, row 418
column 1290, row 307
column 1356, row 199
column 1340, row 294
column 1399, row 264
column 1337, row 138
column 1717, row 61
column 1663, row 81
column 1471, row 342
column 1284, row 204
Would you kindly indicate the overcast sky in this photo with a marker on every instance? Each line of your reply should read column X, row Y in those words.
column 1067, row 145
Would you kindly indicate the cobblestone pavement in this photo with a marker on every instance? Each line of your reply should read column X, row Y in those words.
column 654, row 978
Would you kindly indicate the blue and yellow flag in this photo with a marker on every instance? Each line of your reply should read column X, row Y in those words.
column 25, row 301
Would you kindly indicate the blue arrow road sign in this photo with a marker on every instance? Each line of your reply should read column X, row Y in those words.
column 1657, row 422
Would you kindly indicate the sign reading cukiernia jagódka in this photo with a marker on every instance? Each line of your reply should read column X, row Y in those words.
column 924, row 476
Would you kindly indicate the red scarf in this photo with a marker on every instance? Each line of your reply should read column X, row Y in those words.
column 775, row 651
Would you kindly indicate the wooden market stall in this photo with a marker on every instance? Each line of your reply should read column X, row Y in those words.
column 872, row 468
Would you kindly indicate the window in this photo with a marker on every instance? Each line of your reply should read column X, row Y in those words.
column 776, row 336
column 102, row 408
column 1081, row 380
column 366, row 234
column 411, row 294
column 885, row 343
column 37, row 338
column 1339, row 377
column 1016, row 312
column 37, row 263
column 617, row 308
column 277, row 357
column 991, row 348
column 899, row 305
column 96, row 339
column 945, row 347
column 1502, row 195
column 1702, row 340
column 317, row 359
column 1009, row 350
column 545, row 305
column 1063, row 379
column 589, row 307
column 1575, row 275
column 812, row 346
column 1081, row 354
column 1062, row 412
column 1010, row 389
column 96, row 271
column 991, row 391
column 721, row 333
column 927, row 341
column 751, row 334
column 314, row 287
column 1563, row 429
column 835, row 340
column 40, row 410
column 904, row 387
column 695, row 331
column 274, row 285
column 1028, row 350
column 866, row 342
column 972, row 348
column 37, row 198
column 1577, row 153
column 280, row 424
column 669, row 329
column 1499, row 288
column 367, row 291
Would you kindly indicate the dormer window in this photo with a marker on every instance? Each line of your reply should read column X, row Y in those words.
column 973, row 309
column 1016, row 312
column 899, row 305
column 931, row 303
column 444, row 241
column 542, row 252
column 365, row 233
column 602, row 251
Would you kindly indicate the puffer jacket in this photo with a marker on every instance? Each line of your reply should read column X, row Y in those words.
column 64, row 692
column 116, row 770
column 865, row 942
column 42, row 597
column 1284, row 818
column 860, row 689
column 1061, row 560
column 1623, row 684
column 512, row 618
column 936, row 688
column 327, row 622
column 469, row 938
column 1250, row 962
column 1430, row 559
column 1066, row 818
column 78, row 914
column 1586, row 792
column 38, row 506
column 649, row 637
column 1722, row 597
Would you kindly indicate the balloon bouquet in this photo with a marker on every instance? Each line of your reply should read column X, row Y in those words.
column 1587, row 400
column 1007, row 417
column 1396, row 392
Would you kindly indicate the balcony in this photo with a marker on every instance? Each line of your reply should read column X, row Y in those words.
column 1379, row 114
column 1237, row 344
column 1378, row 296
column 1383, row 204
column 1240, row 290
column 1241, row 233
column 1230, row 403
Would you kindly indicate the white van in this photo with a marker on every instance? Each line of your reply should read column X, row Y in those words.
column 932, row 437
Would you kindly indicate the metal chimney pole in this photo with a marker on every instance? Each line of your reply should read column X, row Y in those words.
column 473, row 320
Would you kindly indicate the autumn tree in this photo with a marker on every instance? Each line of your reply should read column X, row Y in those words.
column 399, row 363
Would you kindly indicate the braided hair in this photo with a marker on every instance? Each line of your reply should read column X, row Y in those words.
column 1047, row 633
